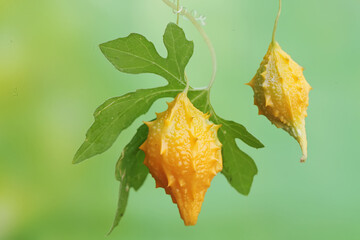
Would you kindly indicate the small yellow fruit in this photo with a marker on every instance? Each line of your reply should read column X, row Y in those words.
column 183, row 154
column 281, row 93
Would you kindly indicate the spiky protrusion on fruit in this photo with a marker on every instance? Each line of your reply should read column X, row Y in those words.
column 183, row 154
column 281, row 93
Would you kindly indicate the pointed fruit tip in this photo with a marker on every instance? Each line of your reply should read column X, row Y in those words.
column 304, row 152
column 303, row 146
column 190, row 222
column 303, row 159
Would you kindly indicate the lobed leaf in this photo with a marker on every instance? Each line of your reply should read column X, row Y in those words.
column 135, row 54
column 130, row 164
column 130, row 171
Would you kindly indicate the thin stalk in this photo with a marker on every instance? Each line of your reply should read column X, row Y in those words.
column 276, row 23
column 177, row 12
column 177, row 23
column 187, row 84
column 203, row 34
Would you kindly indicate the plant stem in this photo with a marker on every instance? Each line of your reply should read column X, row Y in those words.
column 203, row 34
column 177, row 14
column 276, row 23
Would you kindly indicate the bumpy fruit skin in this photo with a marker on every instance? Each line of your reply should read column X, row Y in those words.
column 183, row 154
column 282, row 93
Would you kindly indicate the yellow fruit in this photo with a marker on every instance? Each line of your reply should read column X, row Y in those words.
column 281, row 93
column 183, row 154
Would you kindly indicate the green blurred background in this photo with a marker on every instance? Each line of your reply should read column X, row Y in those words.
column 53, row 76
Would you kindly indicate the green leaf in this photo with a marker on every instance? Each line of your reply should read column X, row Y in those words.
column 130, row 163
column 135, row 54
column 130, row 171
column 238, row 167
